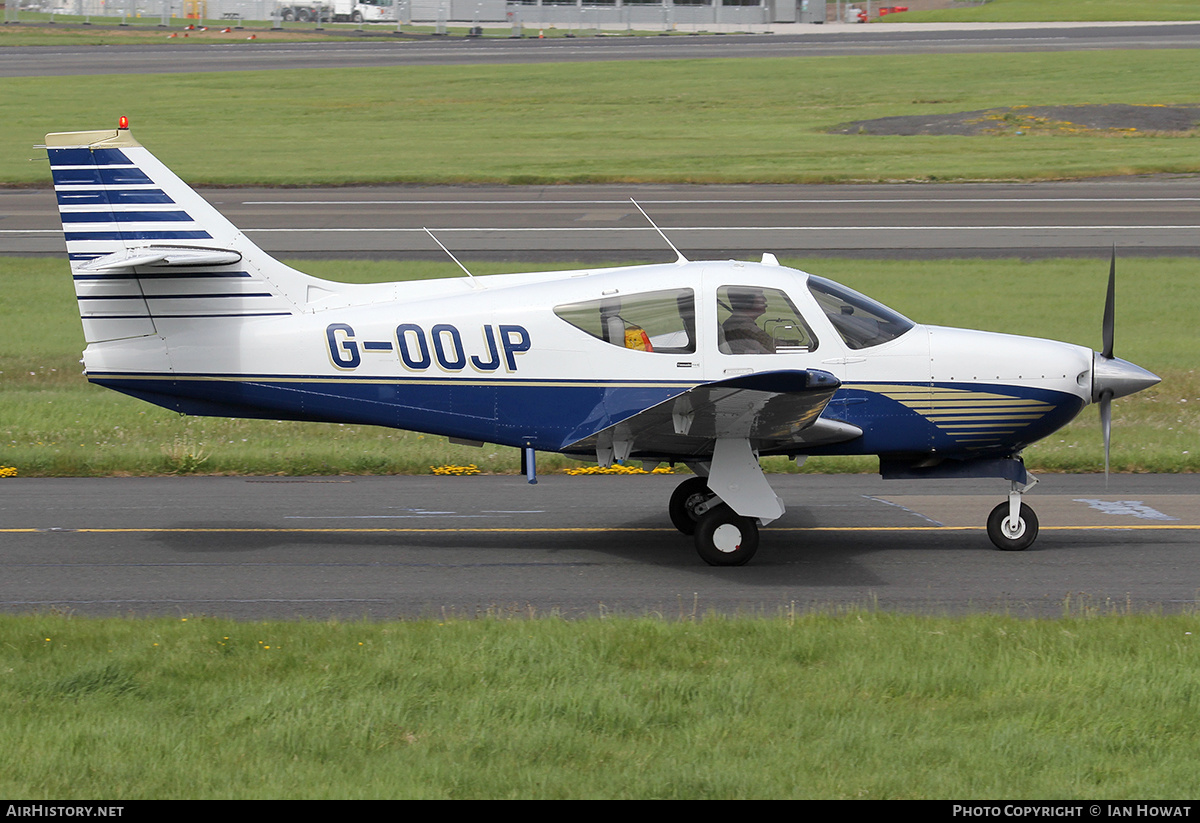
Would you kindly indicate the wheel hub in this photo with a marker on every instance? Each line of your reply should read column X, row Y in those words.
column 1013, row 530
column 727, row 538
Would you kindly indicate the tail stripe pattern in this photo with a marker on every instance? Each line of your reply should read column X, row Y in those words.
column 118, row 199
column 77, row 174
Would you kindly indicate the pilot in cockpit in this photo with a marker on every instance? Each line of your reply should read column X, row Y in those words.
column 742, row 334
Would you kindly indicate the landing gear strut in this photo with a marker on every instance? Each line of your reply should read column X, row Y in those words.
column 723, row 506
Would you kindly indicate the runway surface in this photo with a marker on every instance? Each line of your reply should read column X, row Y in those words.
column 1146, row 216
column 387, row 547
column 379, row 48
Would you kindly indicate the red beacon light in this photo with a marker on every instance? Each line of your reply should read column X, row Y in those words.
column 123, row 123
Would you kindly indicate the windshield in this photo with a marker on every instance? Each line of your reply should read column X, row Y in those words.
column 861, row 321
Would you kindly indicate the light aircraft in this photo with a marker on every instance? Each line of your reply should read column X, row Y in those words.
column 709, row 364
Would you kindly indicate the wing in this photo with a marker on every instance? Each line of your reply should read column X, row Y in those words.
column 779, row 412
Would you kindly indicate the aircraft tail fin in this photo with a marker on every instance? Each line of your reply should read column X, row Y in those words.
column 149, row 256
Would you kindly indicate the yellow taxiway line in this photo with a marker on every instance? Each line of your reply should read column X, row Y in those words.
column 571, row 530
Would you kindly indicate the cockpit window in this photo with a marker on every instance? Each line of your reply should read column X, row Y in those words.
column 861, row 321
column 657, row 321
column 754, row 320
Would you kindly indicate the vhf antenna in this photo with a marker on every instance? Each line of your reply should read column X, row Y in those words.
column 452, row 257
column 679, row 258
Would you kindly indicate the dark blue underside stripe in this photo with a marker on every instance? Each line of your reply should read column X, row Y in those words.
column 548, row 414
column 497, row 411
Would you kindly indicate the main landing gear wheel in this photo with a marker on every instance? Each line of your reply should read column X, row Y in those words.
column 724, row 538
column 687, row 496
column 1008, row 536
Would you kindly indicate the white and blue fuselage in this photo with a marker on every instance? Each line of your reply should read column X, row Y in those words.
column 712, row 364
column 488, row 359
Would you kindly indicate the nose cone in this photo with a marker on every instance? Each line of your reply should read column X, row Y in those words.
column 1115, row 377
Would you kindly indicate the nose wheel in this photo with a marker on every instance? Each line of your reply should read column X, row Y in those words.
column 1012, row 534
column 1012, row 526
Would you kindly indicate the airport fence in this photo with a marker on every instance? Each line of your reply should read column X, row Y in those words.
column 662, row 15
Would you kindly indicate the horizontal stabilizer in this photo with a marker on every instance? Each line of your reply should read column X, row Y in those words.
column 161, row 257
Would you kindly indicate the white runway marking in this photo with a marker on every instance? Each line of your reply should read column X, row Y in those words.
column 378, row 516
column 903, row 508
column 1134, row 508
column 722, row 202
column 581, row 229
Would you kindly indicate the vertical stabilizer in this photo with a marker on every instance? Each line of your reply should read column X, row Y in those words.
column 148, row 255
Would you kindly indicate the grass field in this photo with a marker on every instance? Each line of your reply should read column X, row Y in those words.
column 684, row 121
column 53, row 423
column 852, row 705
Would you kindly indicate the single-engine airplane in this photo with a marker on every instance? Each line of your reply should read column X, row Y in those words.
column 709, row 364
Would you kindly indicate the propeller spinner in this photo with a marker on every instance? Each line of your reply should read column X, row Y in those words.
column 1111, row 376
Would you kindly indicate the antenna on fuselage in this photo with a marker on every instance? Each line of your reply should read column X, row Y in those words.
column 679, row 258
column 452, row 257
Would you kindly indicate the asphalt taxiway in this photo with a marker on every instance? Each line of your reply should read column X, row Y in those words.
column 1144, row 216
column 391, row 547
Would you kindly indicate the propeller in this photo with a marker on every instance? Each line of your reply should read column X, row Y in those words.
column 1106, row 334
column 1111, row 376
